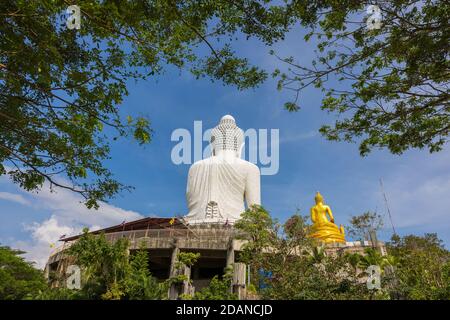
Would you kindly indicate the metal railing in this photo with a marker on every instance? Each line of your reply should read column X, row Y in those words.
column 213, row 233
column 185, row 234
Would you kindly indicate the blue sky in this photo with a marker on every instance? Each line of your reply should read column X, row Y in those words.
column 417, row 183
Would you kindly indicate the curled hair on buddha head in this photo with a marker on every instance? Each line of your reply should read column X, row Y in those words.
column 227, row 136
column 318, row 197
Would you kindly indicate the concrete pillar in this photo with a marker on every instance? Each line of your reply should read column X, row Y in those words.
column 173, row 261
column 230, row 254
column 173, row 290
column 238, row 284
column 187, row 288
column 47, row 271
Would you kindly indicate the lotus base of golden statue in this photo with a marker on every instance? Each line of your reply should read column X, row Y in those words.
column 328, row 233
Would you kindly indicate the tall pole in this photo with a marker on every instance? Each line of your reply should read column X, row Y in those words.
column 387, row 206
column 248, row 275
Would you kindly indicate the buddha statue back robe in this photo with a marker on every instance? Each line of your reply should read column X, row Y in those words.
column 219, row 185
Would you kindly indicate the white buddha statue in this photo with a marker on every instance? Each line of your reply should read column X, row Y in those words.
column 217, row 186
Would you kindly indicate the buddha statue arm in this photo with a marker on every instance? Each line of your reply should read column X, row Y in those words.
column 189, row 180
column 189, row 187
column 252, row 186
column 313, row 215
column 330, row 214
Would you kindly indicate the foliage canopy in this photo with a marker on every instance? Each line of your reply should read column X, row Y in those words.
column 18, row 278
column 60, row 89
column 388, row 85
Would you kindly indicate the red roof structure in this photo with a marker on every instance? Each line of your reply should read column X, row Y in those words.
column 141, row 224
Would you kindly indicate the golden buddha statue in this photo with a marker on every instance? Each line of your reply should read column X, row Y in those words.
column 323, row 229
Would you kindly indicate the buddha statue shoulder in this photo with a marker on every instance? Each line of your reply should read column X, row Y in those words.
column 324, row 229
column 218, row 186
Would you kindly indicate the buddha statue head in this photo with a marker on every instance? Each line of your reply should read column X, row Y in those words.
column 227, row 136
column 318, row 198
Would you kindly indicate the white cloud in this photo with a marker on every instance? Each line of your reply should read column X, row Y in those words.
column 43, row 236
column 69, row 209
column 68, row 216
column 48, row 231
column 14, row 197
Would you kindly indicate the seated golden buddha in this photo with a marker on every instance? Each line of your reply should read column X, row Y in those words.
column 323, row 229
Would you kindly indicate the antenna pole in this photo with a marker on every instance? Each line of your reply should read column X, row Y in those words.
column 387, row 206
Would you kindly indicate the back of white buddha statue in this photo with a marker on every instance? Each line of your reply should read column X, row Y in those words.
column 218, row 186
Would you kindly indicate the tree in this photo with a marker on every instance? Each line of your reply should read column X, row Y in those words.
column 360, row 226
column 393, row 79
column 104, row 265
column 371, row 257
column 141, row 285
column 61, row 88
column 19, row 279
column 109, row 272
column 422, row 268
column 184, row 260
column 287, row 264
column 260, row 229
column 218, row 289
